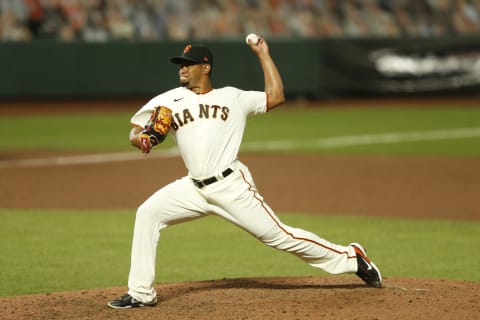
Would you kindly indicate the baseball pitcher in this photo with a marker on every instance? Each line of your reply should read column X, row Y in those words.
column 208, row 124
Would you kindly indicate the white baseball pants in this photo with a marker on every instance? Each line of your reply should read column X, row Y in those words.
column 236, row 199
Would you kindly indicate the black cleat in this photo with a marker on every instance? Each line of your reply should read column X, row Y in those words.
column 127, row 301
column 367, row 270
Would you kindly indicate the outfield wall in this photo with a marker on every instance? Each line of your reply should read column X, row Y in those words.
column 310, row 68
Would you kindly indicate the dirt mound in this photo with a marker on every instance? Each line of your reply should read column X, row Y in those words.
column 344, row 297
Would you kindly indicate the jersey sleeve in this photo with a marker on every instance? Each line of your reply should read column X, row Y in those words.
column 253, row 102
column 141, row 117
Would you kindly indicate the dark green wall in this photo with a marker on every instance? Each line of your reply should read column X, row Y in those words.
column 310, row 68
column 50, row 69
column 80, row 69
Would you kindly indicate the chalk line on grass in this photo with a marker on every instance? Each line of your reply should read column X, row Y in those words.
column 369, row 139
column 88, row 158
column 271, row 145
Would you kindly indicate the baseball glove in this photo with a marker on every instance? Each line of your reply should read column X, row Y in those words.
column 156, row 128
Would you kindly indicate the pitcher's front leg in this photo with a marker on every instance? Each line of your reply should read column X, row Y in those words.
column 175, row 203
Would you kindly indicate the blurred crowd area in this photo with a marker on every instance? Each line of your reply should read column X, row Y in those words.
column 105, row 20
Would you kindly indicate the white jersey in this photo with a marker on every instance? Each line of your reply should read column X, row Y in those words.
column 209, row 127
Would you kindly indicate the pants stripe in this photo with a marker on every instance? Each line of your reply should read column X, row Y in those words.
column 262, row 203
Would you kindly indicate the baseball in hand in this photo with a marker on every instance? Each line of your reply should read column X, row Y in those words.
column 252, row 37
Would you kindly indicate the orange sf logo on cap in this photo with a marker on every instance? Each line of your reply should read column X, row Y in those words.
column 187, row 48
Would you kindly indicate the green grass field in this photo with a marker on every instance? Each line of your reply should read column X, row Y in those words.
column 297, row 130
column 58, row 250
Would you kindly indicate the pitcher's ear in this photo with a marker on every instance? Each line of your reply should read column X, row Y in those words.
column 207, row 68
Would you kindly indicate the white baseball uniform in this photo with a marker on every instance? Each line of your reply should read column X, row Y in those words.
column 208, row 129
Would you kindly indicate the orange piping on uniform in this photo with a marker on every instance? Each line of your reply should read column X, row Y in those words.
column 281, row 228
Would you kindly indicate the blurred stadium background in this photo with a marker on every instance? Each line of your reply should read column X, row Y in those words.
column 323, row 48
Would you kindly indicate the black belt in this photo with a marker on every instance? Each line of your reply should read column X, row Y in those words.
column 206, row 182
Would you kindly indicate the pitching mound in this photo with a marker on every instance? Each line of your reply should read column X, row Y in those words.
column 343, row 297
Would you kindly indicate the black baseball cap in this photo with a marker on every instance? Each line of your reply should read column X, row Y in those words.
column 195, row 53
